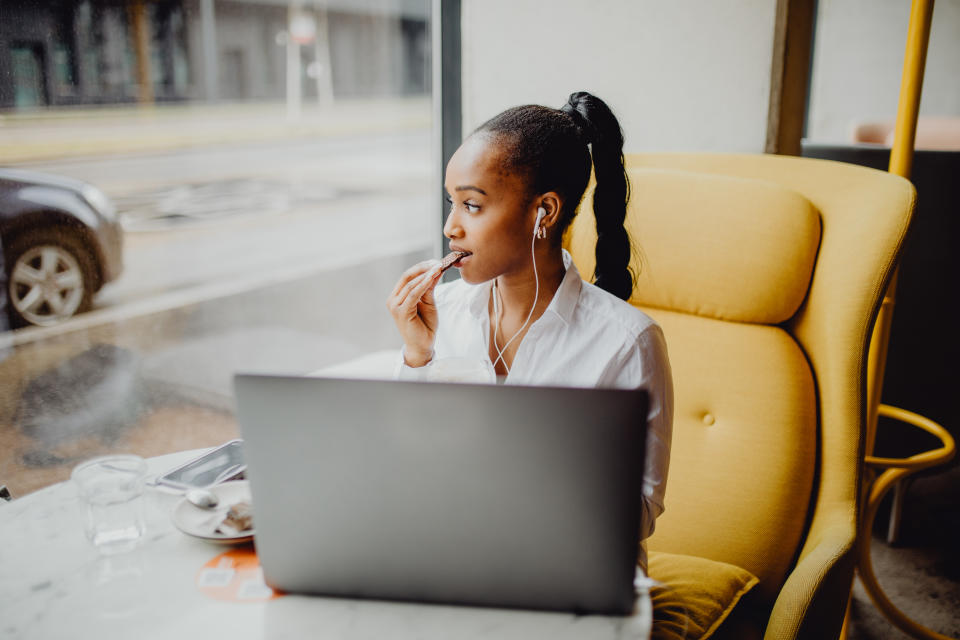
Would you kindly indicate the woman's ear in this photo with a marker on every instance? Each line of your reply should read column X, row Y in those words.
column 552, row 203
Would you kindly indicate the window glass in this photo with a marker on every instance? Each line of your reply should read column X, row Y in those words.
column 27, row 78
column 857, row 68
column 192, row 188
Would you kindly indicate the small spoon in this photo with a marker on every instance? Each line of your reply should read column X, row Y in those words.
column 202, row 498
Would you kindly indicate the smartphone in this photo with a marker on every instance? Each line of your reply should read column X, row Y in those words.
column 219, row 465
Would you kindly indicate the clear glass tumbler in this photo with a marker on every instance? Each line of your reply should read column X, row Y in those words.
column 111, row 494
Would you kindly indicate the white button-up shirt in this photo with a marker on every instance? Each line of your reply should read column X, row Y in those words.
column 587, row 337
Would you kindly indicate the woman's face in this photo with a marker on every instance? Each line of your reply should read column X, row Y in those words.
column 490, row 213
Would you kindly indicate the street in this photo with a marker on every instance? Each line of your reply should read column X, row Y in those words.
column 233, row 217
column 253, row 256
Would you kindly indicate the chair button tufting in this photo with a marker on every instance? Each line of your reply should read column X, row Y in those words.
column 708, row 419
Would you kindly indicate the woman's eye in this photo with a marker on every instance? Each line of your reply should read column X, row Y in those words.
column 469, row 206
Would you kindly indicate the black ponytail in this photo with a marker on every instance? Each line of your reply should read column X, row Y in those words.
column 550, row 147
column 610, row 197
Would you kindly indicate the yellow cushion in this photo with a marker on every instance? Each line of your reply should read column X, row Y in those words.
column 744, row 446
column 694, row 595
column 728, row 248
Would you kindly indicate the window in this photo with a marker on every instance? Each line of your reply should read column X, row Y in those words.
column 267, row 195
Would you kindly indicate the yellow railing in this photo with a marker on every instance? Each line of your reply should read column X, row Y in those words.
column 887, row 472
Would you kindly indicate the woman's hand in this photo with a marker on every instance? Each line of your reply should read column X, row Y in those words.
column 412, row 307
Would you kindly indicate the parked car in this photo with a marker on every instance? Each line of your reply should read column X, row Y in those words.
column 62, row 241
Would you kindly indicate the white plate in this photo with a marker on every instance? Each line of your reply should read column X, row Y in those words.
column 202, row 523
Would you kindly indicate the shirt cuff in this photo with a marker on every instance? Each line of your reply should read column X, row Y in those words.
column 405, row 372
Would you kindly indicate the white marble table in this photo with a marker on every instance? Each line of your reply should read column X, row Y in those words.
column 54, row 584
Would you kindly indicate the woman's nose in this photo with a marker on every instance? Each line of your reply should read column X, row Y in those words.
column 451, row 228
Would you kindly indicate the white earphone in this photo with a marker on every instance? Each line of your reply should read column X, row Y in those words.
column 541, row 212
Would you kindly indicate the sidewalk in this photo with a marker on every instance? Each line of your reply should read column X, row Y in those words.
column 68, row 132
column 172, row 389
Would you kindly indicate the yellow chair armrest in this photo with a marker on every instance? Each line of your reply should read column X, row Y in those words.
column 814, row 597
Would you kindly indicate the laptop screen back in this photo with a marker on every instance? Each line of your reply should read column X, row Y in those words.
column 458, row 493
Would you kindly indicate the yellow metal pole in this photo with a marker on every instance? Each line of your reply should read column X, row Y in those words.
column 901, row 164
column 911, row 86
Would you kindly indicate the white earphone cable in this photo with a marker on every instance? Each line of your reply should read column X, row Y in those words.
column 496, row 312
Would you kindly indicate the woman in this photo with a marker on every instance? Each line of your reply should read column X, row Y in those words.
column 521, row 308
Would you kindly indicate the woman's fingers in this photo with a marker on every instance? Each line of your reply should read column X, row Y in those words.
column 399, row 302
column 403, row 285
column 403, row 298
column 413, row 291
column 410, row 274
column 411, row 305
column 424, row 291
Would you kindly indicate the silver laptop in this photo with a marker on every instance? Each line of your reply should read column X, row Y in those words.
column 488, row 495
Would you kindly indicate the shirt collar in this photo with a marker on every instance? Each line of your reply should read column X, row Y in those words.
column 568, row 294
column 563, row 303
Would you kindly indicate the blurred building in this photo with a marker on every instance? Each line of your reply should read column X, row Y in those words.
column 87, row 52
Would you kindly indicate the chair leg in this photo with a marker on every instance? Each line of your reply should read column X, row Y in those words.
column 896, row 509
column 845, row 629
column 865, row 564
column 896, row 471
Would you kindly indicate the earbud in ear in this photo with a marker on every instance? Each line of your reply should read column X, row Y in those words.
column 536, row 225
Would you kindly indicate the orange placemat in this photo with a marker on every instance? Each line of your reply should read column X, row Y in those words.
column 235, row 576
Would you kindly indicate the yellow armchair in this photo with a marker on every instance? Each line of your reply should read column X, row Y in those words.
column 766, row 274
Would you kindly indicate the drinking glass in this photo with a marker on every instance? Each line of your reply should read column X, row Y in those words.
column 111, row 495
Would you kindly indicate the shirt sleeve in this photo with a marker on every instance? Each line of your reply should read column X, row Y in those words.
column 646, row 365
column 402, row 371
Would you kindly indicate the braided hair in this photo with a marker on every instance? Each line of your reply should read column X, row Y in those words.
column 552, row 149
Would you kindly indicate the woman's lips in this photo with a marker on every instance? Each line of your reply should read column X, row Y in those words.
column 453, row 259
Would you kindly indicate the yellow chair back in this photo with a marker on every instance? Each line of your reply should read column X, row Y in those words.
column 765, row 273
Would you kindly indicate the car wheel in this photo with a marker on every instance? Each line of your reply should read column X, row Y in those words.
column 51, row 277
